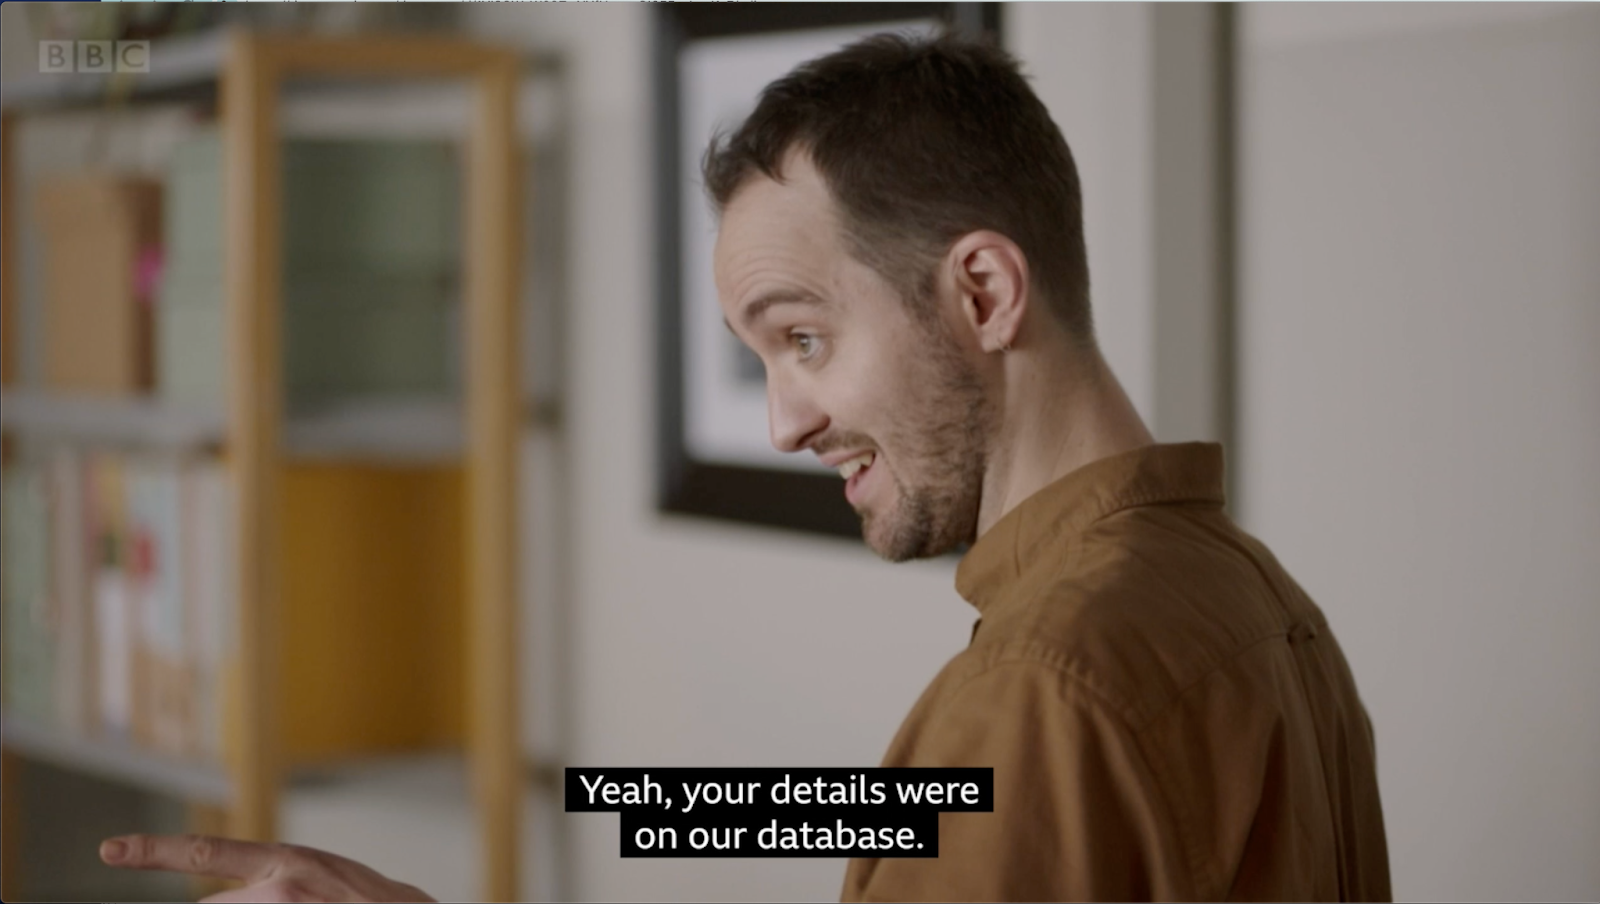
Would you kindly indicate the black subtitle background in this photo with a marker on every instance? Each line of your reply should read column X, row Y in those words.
column 665, row 808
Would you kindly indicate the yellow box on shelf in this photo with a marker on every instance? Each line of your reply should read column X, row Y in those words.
column 373, row 599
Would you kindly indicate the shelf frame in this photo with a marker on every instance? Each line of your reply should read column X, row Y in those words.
column 96, row 420
column 254, row 70
column 119, row 761
column 399, row 431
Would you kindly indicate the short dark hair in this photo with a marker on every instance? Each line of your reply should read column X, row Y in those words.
column 920, row 141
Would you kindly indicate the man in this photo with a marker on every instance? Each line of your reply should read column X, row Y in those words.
column 1166, row 712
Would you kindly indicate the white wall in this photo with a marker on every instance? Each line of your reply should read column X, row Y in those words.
column 1420, row 416
column 1091, row 65
column 1133, row 88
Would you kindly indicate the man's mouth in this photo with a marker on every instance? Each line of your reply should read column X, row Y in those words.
column 854, row 471
column 849, row 469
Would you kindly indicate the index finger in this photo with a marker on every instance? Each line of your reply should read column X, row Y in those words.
column 201, row 855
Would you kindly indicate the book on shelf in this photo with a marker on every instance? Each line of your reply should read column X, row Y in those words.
column 70, row 582
column 117, row 597
column 24, row 582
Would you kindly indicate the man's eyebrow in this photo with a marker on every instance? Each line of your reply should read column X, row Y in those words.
column 778, row 296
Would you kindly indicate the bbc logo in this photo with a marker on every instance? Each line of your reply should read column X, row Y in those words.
column 94, row 56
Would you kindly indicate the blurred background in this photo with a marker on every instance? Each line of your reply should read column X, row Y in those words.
column 1355, row 242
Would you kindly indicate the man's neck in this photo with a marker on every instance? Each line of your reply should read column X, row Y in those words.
column 1056, row 420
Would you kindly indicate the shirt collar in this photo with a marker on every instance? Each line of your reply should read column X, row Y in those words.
column 1151, row 475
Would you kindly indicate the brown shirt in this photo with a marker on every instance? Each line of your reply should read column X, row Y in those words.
column 1167, row 714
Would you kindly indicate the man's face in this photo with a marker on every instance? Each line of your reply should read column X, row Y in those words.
column 853, row 375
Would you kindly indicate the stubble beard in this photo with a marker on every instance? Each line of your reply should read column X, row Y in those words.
column 940, row 445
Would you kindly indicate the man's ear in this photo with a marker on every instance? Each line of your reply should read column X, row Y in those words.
column 990, row 274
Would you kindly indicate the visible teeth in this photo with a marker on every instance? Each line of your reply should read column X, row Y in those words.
column 848, row 469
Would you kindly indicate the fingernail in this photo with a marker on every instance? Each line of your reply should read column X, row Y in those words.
column 113, row 851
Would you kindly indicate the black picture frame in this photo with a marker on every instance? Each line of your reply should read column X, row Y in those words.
column 750, row 494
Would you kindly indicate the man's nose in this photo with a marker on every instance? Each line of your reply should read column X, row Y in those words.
column 792, row 417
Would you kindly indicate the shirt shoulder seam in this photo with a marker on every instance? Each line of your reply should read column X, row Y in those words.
column 1138, row 717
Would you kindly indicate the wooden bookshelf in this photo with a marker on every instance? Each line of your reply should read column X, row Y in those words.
column 247, row 73
column 387, row 430
column 91, row 420
column 204, row 783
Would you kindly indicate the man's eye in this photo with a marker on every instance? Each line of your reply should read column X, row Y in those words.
column 804, row 343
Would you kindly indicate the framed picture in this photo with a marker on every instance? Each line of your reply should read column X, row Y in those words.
column 714, row 457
